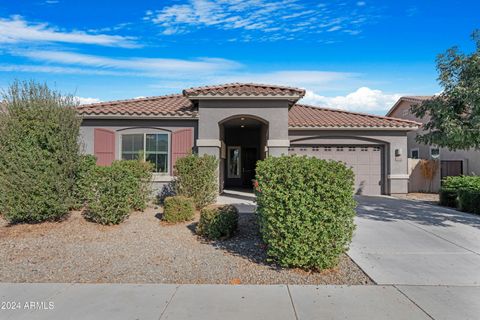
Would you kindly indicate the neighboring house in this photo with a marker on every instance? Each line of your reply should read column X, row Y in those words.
column 452, row 163
column 243, row 123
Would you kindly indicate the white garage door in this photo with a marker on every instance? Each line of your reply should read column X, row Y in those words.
column 365, row 161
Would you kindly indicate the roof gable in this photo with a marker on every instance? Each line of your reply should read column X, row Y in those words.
column 252, row 90
column 413, row 99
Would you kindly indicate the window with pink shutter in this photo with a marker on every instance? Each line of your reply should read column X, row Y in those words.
column 104, row 146
column 182, row 144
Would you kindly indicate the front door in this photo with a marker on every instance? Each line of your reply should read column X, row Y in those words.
column 249, row 164
column 241, row 164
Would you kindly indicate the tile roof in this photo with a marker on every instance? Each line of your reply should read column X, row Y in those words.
column 244, row 90
column 300, row 116
column 304, row 116
column 416, row 98
column 171, row 105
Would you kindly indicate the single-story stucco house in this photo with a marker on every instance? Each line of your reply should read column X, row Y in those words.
column 451, row 163
column 242, row 123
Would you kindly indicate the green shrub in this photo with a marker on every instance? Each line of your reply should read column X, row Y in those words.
column 448, row 197
column 305, row 208
column 39, row 153
column 197, row 179
column 451, row 186
column 461, row 182
column 218, row 222
column 116, row 190
column 86, row 166
column 108, row 199
column 469, row 200
column 140, row 173
column 178, row 209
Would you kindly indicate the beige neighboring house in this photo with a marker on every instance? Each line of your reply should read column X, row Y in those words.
column 451, row 163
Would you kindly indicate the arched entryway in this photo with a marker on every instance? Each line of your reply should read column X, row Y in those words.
column 244, row 142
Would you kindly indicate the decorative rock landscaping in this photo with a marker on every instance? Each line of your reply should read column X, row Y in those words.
column 144, row 250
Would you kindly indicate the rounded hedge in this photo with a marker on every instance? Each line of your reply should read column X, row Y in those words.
column 218, row 222
column 461, row 192
column 196, row 178
column 305, row 208
column 178, row 209
column 116, row 190
column 469, row 200
column 448, row 197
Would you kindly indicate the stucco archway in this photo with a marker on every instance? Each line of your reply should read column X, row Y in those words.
column 243, row 142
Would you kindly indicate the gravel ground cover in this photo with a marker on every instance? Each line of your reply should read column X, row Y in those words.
column 145, row 250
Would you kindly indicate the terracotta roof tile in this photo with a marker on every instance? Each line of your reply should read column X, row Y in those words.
column 244, row 89
column 300, row 116
column 417, row 98
column 304, row 116
column 171, row 105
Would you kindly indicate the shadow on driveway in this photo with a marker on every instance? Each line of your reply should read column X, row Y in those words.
column 390, row 209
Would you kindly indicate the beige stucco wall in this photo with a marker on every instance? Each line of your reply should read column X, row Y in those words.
column 470, row 158
column 213, row 112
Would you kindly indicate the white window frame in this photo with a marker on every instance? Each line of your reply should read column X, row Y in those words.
column 229, row 175
column 145, row 132
column 431, row 156
column 418, row 153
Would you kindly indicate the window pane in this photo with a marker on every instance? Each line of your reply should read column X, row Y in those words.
column 138, row 143
column 151, row 143
column 234, row 162
column 157, row 143
column 127, row 141
column 152, row 157
column 162, row 163
column 159, row 161
column 132, row 143
column 162, row 142
column 131, row 155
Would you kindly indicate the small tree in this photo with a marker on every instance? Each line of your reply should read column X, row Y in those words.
column 454, row 115
column 39, row 153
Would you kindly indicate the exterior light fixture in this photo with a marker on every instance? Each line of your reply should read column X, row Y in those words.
column 242, row 119
column 242, row 126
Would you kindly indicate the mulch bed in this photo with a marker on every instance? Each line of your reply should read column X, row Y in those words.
column 145, row 250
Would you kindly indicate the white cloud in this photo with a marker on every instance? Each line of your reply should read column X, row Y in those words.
column 146, row 66
column 363, row 99
column 59, row 70
column 281, row 20
column 16, row 30
column 83, row 100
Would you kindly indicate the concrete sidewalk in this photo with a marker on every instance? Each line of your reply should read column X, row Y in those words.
column 151, row 301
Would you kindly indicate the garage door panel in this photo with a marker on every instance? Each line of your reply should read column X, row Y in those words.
column 363, row 158
column 365, row 161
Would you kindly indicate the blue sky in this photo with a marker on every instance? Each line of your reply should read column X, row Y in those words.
column 354, row 55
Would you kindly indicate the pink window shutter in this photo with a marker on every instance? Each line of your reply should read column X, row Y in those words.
column 182, row 144
column 104, row 146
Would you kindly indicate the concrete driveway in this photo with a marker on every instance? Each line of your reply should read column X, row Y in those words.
column 429, row 253
column 414, row 243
